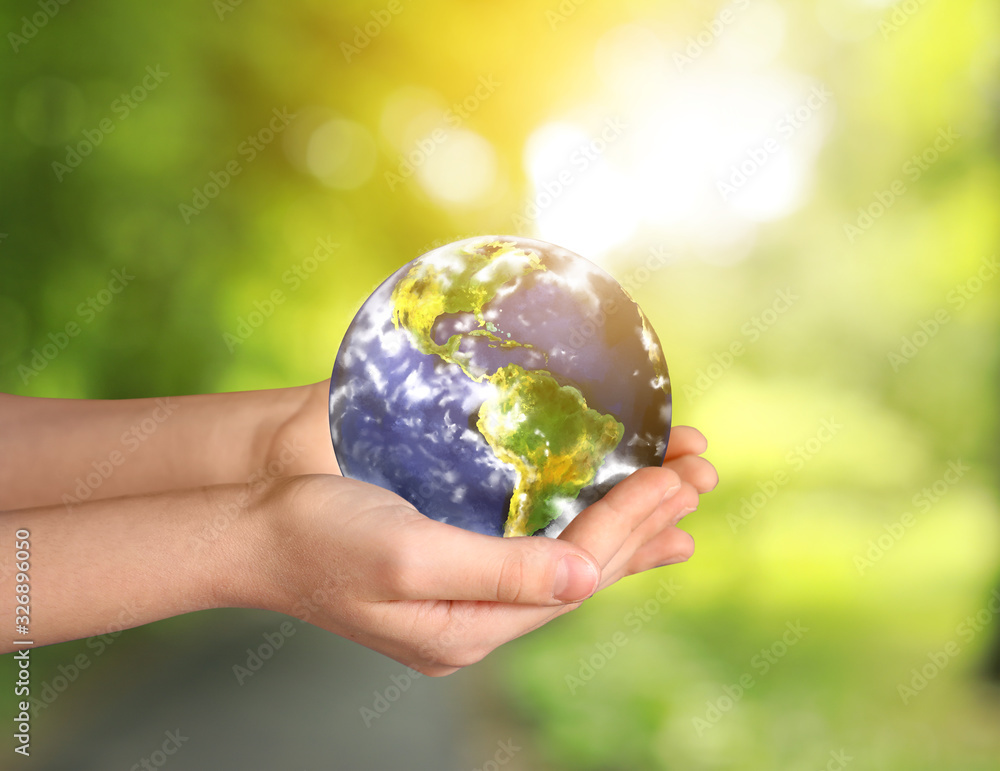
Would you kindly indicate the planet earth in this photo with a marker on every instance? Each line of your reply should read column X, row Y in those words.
column 499, row 384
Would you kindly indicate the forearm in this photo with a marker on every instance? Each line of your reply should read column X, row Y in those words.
column 70, row 451
column 124, row 562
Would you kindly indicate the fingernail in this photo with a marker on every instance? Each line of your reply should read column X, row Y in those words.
column 669, row 492
column 683, row 513
column 576, row 579
column 673, row 561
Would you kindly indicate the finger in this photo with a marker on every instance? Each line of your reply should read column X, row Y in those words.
column 604, row 526
column 442, row 637
column 695, row 470
column 668, row 513
column 670, row 547
column 477, row 628
column 431, row 643
column 685, row 440
column 430, row 560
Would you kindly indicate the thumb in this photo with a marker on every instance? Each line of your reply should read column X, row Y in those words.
column 455, row 564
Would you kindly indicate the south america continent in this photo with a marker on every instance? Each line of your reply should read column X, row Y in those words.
column 545, row 431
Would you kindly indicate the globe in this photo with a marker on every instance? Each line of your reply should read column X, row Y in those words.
column 501, row 385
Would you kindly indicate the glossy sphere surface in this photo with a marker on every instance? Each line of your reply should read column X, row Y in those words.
column 501, row 385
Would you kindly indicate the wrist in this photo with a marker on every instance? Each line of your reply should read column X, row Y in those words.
column 243, row 542
column 258, row 420
column 295, row 440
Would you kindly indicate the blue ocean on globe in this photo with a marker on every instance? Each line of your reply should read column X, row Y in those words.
column 499, row 384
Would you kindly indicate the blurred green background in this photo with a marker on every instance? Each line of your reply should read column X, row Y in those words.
column 815, row 187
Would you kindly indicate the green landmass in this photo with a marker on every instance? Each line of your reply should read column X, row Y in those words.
column 553, row 440
column 545, row 431
column 428, row 292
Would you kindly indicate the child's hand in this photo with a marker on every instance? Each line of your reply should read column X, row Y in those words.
column 436, row 597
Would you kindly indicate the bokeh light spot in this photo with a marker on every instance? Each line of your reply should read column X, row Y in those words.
column 341, row 153
column 461, row 170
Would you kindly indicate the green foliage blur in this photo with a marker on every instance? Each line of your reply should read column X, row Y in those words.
column 836, row 338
